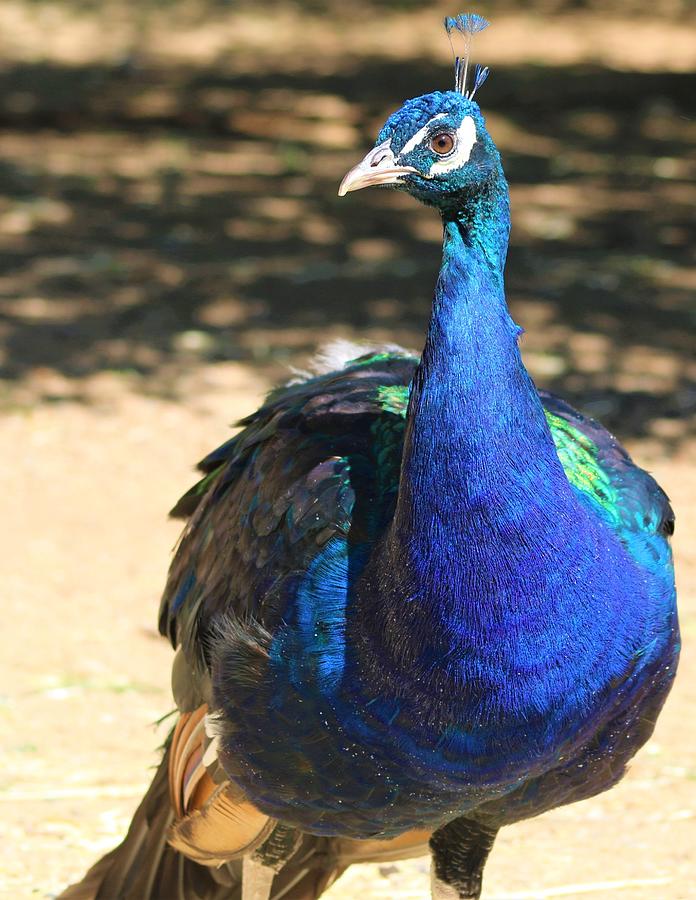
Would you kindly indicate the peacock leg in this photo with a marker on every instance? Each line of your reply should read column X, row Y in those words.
column 260, row 867
column 257, row 879
column 459, row 852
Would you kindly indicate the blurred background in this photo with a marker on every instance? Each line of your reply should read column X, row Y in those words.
column 171, row 243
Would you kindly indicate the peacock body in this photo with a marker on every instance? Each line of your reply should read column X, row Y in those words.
column 415, row 598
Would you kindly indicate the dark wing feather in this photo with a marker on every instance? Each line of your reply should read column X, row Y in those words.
column 276, row 493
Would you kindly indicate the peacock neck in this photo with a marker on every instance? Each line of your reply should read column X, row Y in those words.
column 487, row 533
column 476, row 438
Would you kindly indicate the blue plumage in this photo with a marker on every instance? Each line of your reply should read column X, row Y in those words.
column 419, row 593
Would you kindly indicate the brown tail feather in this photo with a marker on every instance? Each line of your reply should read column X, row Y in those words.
column 145, row 867
column 191, row 830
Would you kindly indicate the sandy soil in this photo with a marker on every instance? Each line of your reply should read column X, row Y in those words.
column 170, row 242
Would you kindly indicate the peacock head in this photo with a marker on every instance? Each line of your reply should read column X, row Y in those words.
column 436, row 146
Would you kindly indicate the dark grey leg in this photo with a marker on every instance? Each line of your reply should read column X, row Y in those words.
column 459, row 852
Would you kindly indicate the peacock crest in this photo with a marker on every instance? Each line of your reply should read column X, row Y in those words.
column 466, row 25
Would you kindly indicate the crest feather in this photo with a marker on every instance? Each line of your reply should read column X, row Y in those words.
column 466, row 24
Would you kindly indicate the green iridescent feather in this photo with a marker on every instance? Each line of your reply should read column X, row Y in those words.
column 576, row 451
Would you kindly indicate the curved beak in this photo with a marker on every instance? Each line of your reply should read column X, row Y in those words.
column 378, row 167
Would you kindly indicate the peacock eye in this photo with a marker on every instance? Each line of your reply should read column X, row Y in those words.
column 442, row 143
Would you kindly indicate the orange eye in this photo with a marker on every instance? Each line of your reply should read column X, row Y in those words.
column 442, row 143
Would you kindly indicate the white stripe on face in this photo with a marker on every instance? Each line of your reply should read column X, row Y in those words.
column 413, row 142
column 465, row 140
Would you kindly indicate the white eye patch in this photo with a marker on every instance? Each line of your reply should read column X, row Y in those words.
column 420, row 135
column 465, row 138
column 464, row 143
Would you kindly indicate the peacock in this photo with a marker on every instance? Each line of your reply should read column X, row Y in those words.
column 416, row 598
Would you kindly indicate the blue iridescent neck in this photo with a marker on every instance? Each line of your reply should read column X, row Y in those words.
column 477, row 441
column 487, row 534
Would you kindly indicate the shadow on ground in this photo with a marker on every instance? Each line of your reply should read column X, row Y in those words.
column 152, row 218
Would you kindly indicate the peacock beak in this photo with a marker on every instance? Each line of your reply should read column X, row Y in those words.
column 378, row 167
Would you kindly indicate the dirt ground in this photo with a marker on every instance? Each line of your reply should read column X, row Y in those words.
column 171, row 242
